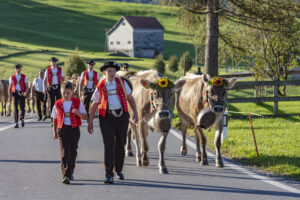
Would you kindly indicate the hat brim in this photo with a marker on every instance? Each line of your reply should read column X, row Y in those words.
column 53, row 60
column 104, row 67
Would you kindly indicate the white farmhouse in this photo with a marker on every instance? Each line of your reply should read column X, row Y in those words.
column 141, row 37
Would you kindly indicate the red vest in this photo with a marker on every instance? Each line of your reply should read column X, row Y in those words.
column 104, row 97
column 50, row 75
column 14, row 83
column 86, row 78
column 75, row 120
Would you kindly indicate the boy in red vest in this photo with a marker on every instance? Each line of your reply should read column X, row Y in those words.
column 67, row 114
column 54, row 76
column 110, row 97
column 18, row 88
column 88, row 81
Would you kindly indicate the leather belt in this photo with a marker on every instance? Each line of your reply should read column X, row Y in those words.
column 115, row 112
column 90, row 90
column 67, row 115
column 54, row 87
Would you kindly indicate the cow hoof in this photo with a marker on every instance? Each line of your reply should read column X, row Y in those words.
column 145, row 162
column 183, row 151
column 139, row 163
column 163, row 171
column 220, row 164
column 197, row 159
column 204, row 163
column 129, row 154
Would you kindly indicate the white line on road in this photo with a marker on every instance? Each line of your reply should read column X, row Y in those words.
column 236, row 167
column 12, row 125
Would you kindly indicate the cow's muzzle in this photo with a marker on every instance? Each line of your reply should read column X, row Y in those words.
column 164, row 114
column 218, row 108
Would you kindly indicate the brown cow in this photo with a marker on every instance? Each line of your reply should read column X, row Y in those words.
column 198, row 92
column 154, row 106
column 6, row 108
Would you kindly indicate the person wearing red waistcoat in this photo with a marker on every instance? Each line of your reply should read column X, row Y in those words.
column 67, row 114
column 18, row 88
column 110, row 99
column 54, row 76
column 88, row 81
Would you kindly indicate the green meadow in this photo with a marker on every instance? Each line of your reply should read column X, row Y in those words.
column 32, row 31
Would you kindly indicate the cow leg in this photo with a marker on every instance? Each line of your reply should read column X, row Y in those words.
column 145, row 147
column 9, row 109
column 128, row 143
column 2, row 109
column 183, row 128
column 161, row 149
column 33, row 104
column 28, row 104
column 197, row 142
column 217, row 142
column 203, row 140
column 137, row 146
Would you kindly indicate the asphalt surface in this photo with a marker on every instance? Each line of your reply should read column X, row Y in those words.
column 30, row 169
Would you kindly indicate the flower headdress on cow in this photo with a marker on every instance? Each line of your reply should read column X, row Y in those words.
column 162, row 83
column 130, row 73
column 218, row 82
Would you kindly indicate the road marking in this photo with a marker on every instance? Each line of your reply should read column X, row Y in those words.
column 236, row 167
column 12, row 125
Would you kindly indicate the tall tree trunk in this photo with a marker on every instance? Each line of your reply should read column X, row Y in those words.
column 212, row 32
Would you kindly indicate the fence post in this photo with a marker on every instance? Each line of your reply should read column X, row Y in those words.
column 275, row 92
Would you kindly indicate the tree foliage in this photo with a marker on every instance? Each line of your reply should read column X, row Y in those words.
column 186, row 60
column 173, row 63
column 75, row 64
column 159, row 64
column 212, row 20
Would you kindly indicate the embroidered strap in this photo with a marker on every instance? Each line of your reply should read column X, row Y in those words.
column 122, row 84
column 67, row 114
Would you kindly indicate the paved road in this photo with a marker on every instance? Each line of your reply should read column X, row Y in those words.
column 29, row 166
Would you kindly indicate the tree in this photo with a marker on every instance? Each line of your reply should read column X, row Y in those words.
column 256, row 14
column 75, row 64
column 173, row 63
column 159, row 64
column 186, row 61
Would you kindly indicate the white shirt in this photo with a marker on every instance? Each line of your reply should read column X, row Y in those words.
column 18, row 78
column 38, row 84
column 67, row 107
column 90, row 82
column 54, row 77
column 114, row 102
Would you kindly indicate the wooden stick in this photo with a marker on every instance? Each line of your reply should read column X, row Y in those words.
column 253, row 135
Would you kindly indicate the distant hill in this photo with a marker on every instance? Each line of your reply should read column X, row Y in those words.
column 140, row 1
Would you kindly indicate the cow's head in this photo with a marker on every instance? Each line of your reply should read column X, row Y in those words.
column 215, row 92
column 162, row 101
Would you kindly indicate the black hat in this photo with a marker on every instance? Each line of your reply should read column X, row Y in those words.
column 91, row 62
column 53, row 59
column 125, row 65
column 18, row 66
column 110, row 64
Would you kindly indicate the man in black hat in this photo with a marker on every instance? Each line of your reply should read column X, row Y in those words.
column 88, row 81
column 125, row 66
column 18, row 88
column 54, row 76
column 111, row 97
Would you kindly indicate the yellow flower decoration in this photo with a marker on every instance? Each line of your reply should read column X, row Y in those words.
column 163, row 82
column 218, row 82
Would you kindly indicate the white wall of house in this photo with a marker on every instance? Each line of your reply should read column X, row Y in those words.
column 121, row 38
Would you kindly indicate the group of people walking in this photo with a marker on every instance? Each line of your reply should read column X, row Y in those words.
column 111, row 96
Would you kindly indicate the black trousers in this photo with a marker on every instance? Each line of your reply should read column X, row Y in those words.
column 114, row 131
column 40, row 100
column 54, row 95
column 19, row 100
column 68, row 141
column 87, row 99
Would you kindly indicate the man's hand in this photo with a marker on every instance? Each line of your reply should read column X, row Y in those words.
column 135, row 118
column 9, row 98
column 76, row 112
column 90, row 127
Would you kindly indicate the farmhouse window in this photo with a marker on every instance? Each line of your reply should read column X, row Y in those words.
column 129, row 42
column 123, row 23
column 118, row 42
column 111, row 42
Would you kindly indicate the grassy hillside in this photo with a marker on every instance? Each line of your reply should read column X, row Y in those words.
column 63, row 25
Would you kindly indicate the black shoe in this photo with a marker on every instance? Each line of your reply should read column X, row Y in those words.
column 72, row 178
column 22, row 122
column 120, row 176
column 66, row 180
column 16, row 126
column 39, row 119
column 109, row 180
column 44, row 118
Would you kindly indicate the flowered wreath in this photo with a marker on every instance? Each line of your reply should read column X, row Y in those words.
column 130, row 73
column 162, row 83
column 218, row 82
